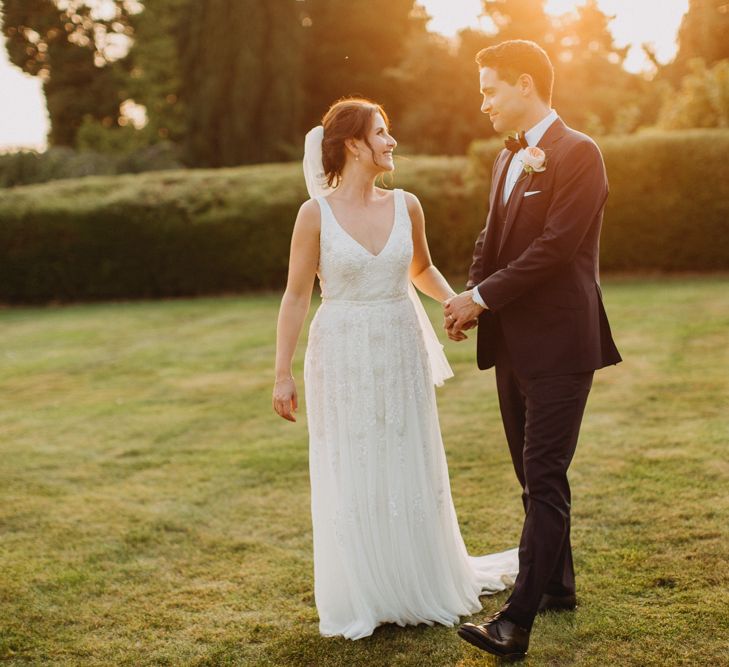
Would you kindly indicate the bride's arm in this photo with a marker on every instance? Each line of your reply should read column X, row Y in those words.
column 423, row 273
column 303, row 262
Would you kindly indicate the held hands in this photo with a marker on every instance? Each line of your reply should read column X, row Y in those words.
column 461, row 313
column 285, row 400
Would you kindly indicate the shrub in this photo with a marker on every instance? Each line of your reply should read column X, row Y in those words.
column 161, row 234
column 30, row 167
column 177, row 233
column 182, row 232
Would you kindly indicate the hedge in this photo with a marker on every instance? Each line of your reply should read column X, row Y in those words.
column 176, row 233
column 29, row 167
column 183, row 233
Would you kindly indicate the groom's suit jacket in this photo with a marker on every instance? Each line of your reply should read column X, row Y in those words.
column 536, row 263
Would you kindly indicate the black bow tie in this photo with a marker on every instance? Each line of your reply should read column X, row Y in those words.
column 515, row 144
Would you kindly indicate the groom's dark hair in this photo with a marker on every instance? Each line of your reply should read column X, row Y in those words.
column 515, row 57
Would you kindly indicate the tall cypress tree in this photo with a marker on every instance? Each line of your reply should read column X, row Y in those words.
column 155, row 80
column 350, row 48
column 240, row 64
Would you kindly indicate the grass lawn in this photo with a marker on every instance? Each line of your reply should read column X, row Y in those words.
column 154, row 511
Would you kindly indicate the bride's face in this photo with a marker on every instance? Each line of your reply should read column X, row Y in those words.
column 382, row 143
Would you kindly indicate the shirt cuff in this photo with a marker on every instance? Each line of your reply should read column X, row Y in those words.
column 476, row 296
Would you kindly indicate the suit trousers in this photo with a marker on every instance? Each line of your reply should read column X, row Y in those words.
column 541, row 418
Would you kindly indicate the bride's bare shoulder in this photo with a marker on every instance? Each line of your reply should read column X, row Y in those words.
column 309, row 207
column 309, row 217
column 410, row 198
column 413, row 204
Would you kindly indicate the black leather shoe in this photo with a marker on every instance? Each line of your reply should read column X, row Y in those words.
column 557, row 603
column 498, row 636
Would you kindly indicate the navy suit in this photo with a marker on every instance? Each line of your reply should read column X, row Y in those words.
column 536, row 266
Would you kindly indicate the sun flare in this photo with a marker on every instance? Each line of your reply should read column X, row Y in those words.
column 653, row 22
column 561, row 6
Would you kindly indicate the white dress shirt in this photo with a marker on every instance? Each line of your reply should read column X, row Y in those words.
column 533, row 136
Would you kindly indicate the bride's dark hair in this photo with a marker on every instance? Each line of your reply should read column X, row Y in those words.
column 348, row 118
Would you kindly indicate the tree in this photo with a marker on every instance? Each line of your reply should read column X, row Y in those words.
column 77, row 52
column 693, row 88
column 441, row 114
column 593, row 91
column 704, row 33
column 155, row 69
column 240, row 68
column 702, row 100
column 522, row 19
column 351, row 48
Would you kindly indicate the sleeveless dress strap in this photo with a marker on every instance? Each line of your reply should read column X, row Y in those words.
column 400, row 204
column 326, row 212
column 323, row 205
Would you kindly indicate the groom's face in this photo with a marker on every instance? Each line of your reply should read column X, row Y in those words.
column 503, row 102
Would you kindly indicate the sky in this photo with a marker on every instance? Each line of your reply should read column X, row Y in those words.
column 636, row 22
column 23, row 116
column 24, row 120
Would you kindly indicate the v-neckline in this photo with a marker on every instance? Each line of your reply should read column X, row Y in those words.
column 354, row 240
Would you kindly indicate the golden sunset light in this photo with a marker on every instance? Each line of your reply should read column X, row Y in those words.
column 364, row 332
column 653, row 22
column 24, row 122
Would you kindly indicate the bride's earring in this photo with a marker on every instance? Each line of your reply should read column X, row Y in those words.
column 356, row 157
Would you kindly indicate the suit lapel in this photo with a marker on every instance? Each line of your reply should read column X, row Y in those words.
column 499, row 177
column 512, row 209
column 553, row 134
column 497, row 188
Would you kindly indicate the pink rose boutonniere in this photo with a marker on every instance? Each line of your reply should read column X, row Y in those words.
column 534, row 160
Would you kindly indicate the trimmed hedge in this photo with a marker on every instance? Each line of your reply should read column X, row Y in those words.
column 30, row 167
column 181, row 233
column 162, row 234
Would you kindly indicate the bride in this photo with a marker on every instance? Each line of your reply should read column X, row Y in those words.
column 387, row 547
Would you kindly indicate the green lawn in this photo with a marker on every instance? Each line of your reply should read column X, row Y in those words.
column 154, row 510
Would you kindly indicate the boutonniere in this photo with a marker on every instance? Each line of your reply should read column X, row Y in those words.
column 534, row 160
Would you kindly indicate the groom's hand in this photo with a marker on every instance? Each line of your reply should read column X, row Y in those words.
column 461, row 312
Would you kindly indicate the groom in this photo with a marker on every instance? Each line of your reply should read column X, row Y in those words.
column 534, row 290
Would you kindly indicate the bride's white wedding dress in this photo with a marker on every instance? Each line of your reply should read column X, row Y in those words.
column 387, row 547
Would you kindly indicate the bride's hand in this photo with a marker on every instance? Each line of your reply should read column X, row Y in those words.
column 285, row 400
column 453, row 334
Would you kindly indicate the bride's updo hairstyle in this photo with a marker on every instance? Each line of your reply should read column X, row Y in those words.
column 348, row 118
